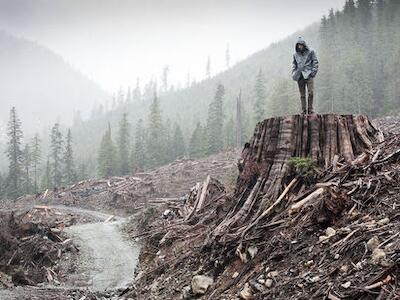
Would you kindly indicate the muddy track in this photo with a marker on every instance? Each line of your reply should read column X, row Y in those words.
column 106, row 260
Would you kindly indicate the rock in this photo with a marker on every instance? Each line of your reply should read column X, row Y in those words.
column 309, row 263
column 373, row 243
column 330, row 231
column 344, row 269
column 315, row 279
column 269, row 282
column 346, row 285
column 200, row 284
column 186, row 292
column 384, row 221
column 272, row 274
column 378, row 255
column 323, row 238
column 246, row 293
column 256, row 286
column 252, row 250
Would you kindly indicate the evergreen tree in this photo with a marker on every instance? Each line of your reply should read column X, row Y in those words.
column 46, row 179
column 106, row 156
column 137, row 94
column 260, row 97
column 229, row 134
column 128, row 98
column 197, row 142
column 124, row 133
column 215, row 122
column 14, row 154
column 208, row 68
column 280, row 100
column 36, row 158
column 70, row 175
column 138, row 153
column 168, row 154
column 82, row 172
column 56, row 146
column 178, row 143
column 165, row 79
column 155, row 136
column 26, row 164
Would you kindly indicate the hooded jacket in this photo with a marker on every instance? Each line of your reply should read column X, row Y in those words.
column 304, row 62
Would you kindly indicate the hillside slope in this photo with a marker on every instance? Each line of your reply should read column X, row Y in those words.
column 41, row 85
column 190, row 105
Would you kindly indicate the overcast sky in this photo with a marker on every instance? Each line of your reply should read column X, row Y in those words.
column 116, row 41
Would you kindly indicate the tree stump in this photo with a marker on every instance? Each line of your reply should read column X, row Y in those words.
column 264, row 164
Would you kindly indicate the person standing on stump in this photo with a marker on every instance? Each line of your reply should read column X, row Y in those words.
column 305, row 68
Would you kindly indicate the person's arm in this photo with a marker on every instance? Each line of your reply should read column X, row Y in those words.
column 294, row 65
column 315, row 64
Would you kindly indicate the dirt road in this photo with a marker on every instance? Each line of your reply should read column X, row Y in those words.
column 106, row 260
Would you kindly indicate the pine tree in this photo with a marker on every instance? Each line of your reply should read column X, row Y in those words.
column 124, row 135
column 70, row 175
column 178, row 143
column 280, row 101
column 128, row 98
column 208, row 68
column 155, row 136
column 165, row 79
column 168, row 154
column 82, row 172
column 260, row 97
column 36, row 158
column 197, row 142
column 14, row 154
column 106, row 156
column 229, row 134
column 26, row 164
column 137, row 94
column 138, row 153
column 215, row 122
column 56, row 146
column 46, row 179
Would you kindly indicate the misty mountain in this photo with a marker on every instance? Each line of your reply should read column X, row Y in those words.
column 42, row 86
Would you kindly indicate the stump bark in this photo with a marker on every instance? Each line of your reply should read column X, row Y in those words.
column 264, row 164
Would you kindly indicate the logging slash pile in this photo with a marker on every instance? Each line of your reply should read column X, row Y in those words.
column 31, row 244
column 315, row 214
column 130, row 194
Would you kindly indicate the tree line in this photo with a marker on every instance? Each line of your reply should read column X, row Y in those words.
column 156, row 141
column 27, row 171
column 360, row 58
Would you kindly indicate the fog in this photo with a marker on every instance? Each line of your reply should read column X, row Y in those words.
column 115, row 42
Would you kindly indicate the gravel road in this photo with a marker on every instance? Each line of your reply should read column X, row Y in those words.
column 106, row 260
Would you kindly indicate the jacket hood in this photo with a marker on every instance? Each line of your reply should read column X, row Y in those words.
column 300, row 41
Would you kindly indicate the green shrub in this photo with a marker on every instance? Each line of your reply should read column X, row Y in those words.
column 304, row 167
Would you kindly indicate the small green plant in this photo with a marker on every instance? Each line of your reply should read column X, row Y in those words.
column 304, row 167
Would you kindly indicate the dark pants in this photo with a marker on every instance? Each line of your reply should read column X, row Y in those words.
column 309, row 83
